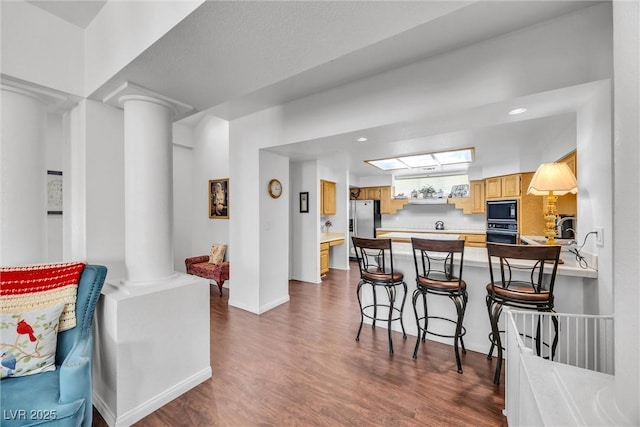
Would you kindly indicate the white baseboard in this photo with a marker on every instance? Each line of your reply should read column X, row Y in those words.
column 274, row 304
column 152, row 404
column 263, row 308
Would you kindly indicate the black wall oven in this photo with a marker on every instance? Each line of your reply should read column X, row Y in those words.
column 502, row 221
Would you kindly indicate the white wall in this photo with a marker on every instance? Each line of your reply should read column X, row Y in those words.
column 45, row 43
column 54, row 159
column 210, row 161
column 339, row 254
column 304, row 237
column 595, row 195
column 105, row 187
column 273, row 245
column 247, row 136
column 626, row 198
column 182, row 206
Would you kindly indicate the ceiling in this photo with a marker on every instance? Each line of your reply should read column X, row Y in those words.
column 247, row 56
column 79, row 12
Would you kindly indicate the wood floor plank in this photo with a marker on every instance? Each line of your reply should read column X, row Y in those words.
column 299, row 365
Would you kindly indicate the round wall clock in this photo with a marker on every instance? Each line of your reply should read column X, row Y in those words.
column 275, row 188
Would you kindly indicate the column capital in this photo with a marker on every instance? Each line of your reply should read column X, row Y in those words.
column 129, row 91
column 52, row 100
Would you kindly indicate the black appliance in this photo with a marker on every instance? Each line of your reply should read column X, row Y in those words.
column 502, row 221
column 566, row 227
column 502, row 210
column 502, row 232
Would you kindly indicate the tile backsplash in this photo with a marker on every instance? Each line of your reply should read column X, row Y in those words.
column 425, row 216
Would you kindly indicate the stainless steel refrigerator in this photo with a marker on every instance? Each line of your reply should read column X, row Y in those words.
column 364, row 219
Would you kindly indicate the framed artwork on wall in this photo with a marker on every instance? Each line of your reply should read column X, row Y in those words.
column 219, row 198
column 54, row 192
column 304, row 202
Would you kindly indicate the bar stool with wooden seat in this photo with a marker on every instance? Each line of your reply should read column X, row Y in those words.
column 433, row 260
column 529, row 291
column 375, row 261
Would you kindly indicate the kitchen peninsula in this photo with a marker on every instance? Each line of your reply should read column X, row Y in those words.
column 573, row 285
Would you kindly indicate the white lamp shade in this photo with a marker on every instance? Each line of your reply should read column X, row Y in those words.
column 556, row 177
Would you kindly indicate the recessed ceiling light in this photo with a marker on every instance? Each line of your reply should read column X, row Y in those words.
column 361, row 139
column 517, row 111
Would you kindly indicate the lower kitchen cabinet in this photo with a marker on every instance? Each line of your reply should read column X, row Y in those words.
column 324, row 258
column 324, row 254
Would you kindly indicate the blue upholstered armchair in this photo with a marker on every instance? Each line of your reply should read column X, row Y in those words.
column 61, row 397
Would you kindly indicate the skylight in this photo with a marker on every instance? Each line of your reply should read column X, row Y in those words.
column 441, row 158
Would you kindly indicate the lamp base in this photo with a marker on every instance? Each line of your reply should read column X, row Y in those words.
column 550, row 218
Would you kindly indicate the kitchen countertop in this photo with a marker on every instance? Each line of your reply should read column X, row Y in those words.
column 431, row 230
column 477, row 257
column 432, row 235
column 331, row 237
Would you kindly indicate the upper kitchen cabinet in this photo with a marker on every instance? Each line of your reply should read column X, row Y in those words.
column 478, row 199
column 475, row 203
column 568, row 203
column 384, row 194
column 501, row 187
column 327, row 197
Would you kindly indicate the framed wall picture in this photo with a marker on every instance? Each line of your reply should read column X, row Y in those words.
column 304, row 202
column 54, row 192
column 219, row 198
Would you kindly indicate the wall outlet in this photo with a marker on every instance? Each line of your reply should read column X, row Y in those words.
column 599, row 236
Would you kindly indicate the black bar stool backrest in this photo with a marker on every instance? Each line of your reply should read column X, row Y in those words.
column 436, row 258
column 539, row 257
column 371, row 256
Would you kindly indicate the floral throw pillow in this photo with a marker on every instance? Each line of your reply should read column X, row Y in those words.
column 28, row 341
column 217, row 254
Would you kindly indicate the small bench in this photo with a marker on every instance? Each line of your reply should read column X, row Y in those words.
column 200, row 266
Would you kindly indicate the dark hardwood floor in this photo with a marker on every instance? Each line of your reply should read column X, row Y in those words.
column 299, row 364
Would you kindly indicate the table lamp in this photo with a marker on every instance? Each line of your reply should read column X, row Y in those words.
column 552, row 180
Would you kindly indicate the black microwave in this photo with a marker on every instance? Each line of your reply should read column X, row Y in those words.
column 502, row 210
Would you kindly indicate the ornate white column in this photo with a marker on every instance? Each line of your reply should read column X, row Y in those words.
column 148, row 170
column 23, row 173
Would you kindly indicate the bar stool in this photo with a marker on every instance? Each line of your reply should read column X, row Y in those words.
column 375, row 261
column 433, row 260
column 528, row 294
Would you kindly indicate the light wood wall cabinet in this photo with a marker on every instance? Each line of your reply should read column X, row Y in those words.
column 475, row 203
column 387, row 204
column 478, row 200
column 502, row 187
column 324, row 258
column 327, row 197
column 568, row 203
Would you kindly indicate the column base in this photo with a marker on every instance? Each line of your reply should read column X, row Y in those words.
column 151, row 345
